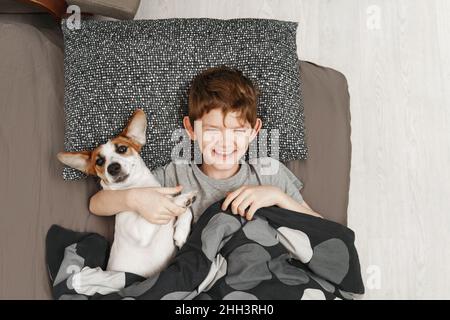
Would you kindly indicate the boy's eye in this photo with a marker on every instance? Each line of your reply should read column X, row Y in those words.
column 210, row 133
column 100, row 162
column 122, row 149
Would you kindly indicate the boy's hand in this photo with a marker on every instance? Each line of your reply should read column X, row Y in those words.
column 247, row 199
column 154, row 204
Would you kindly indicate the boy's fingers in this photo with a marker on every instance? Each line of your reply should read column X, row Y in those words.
column 251, row 211
column 238, row 203
column 174, row 209
column 165, row 216
column 162, row 221
column 231, row 197
column 244, row 205
column 170, row 191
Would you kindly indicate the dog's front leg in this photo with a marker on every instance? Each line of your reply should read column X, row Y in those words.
column 182, row 228
column 183, row 224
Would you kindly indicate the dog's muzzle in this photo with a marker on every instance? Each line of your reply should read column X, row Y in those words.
column 114, row 169
column 121, row 178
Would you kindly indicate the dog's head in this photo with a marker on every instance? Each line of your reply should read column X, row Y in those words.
column 116, row 161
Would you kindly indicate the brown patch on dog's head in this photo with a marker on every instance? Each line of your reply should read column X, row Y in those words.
column 128, row 143
column 136, row 128
column 85, row 161
column 93, row 167
column 79, row 160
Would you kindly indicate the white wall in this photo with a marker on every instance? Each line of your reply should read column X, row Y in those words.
column 399, row 81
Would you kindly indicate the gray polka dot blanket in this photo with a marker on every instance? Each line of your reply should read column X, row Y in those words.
column 280, row 254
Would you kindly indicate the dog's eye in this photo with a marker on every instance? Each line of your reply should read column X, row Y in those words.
column 100, row 162
column 122, row 149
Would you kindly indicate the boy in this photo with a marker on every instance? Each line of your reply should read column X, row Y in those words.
column 222, row 119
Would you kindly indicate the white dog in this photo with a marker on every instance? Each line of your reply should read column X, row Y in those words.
column 139, row 246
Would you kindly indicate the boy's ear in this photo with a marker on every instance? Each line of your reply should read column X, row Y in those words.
column 188, row 127
column 137, row 127
column 77, row 160
column 255, row 129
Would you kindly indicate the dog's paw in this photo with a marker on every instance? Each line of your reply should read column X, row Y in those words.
column 185, row 200
column 180, row 236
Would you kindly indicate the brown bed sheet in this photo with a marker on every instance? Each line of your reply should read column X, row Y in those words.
column 326, row 172
column 33, row 195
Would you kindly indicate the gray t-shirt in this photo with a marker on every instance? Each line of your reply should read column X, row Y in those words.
column 261, row 171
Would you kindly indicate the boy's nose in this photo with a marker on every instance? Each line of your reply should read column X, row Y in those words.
column 114, row 169
column 226, row 138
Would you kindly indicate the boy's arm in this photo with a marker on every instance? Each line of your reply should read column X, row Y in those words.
column 305, row 204
column 153, row 203
column 287, row 202
column 247, row 199
column 109, row 202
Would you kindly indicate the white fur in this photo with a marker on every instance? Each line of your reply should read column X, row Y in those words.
column 139, row 246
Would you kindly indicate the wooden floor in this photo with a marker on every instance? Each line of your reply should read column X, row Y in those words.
column 396, row 56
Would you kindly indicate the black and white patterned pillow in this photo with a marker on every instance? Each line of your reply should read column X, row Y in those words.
column 115, row 67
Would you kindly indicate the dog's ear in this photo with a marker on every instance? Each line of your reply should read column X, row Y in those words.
column 136, row 127
column 77, row 160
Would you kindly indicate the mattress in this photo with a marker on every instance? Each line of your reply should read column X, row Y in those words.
column 34, row 196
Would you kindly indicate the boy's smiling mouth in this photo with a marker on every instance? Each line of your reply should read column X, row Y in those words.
column 223, row 154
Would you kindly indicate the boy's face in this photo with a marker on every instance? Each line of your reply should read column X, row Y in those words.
column 222, row 141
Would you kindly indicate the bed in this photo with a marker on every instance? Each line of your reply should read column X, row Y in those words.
column 34, row 196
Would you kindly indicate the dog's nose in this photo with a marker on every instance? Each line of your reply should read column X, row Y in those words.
column 114, row 169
